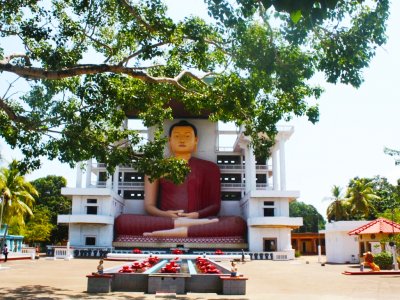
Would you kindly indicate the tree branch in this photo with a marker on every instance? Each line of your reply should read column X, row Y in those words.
column 7, row 59
column 86, row 69
column 136, row 14
column 126, row 59
column 10, row 112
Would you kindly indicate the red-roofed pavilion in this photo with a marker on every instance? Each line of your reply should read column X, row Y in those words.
column 380, row 225
column 370, row 235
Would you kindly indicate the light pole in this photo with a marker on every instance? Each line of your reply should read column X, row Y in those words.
column 1, row 222
column 393, row 244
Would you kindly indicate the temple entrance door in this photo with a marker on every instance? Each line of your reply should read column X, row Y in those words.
column 269, row 244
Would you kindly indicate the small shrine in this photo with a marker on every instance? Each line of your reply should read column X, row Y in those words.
column 371, row 234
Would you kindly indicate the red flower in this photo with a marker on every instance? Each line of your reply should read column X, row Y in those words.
column 137, row 251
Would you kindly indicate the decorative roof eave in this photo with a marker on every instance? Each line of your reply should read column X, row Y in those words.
column 380, row 225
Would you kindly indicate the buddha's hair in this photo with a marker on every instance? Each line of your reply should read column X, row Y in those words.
column 181, row 124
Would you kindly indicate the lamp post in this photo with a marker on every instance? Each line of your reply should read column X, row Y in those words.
column 393, row 244
column 1, row 222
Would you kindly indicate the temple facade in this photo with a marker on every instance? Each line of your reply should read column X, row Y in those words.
column 251, row 188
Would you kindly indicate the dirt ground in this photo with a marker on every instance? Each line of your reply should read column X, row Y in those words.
column 303, row 278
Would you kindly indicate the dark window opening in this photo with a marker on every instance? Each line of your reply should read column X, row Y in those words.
column 269, row 203
column 261, row 178
column 269, row 212
column 90, row 241
column 91, row 210
column 91, row 201
column 270, row 245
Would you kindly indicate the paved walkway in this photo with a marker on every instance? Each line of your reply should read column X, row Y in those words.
column 303, row 278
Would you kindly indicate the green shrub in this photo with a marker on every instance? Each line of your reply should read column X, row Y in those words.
column 384, row 260
column 297, row 254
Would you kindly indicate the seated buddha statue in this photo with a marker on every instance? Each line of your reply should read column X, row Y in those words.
column 189, row 209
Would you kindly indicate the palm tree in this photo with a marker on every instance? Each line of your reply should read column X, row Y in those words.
column 359, row 194
column 338, row 209
column 18, row 195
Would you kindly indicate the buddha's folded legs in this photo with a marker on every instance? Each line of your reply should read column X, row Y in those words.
column 176, row 232
column 131, row 224
column 186, row 222
column 226, row 226
column 181, row 227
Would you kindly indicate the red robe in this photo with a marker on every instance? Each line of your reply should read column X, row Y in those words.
column 200, row 192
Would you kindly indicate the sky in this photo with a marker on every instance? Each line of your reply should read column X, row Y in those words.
column 355, row 125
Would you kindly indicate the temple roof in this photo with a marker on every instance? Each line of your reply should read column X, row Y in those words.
column 380, row 225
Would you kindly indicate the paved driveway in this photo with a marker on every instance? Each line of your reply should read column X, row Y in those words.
column 303, row 278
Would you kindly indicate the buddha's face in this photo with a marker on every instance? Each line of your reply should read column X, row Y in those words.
column 182, row 140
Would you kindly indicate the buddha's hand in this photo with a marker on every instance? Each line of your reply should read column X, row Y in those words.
column 191, row 215
column 174, row 213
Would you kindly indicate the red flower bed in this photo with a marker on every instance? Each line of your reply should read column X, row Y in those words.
column 140, row 266
column 206, row 267
column 218, row 252
column 171, row 267
column 136, row 251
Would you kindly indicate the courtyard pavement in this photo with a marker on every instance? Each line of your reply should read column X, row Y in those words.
column 303, row 278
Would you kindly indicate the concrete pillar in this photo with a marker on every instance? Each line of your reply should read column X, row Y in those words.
column 78, row 182
column 287, row 243
column 250, row 169
column 88, row 173
column 282, row 164
column 116, row 180
column 109, row 181
column 275, row 183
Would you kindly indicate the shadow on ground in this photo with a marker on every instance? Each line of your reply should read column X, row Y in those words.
column 50, row 293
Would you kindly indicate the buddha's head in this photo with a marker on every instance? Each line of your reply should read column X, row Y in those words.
column 183, row 139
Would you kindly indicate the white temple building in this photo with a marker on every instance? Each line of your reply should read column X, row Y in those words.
column 251, row 188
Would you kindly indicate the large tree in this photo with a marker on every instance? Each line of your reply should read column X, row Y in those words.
column 88, row 63
column 51, row 200
column 312, row 219
column 38, row 228
column 387, row 193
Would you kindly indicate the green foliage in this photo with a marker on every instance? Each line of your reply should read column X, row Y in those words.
column 389, row 196
column 312, row 220
column 366, row 199
column 88, row 64
column 51, row 201
column 338, row 210
column 39, row 226
column 384, row 260
column 360, row 194
column 18, row 196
